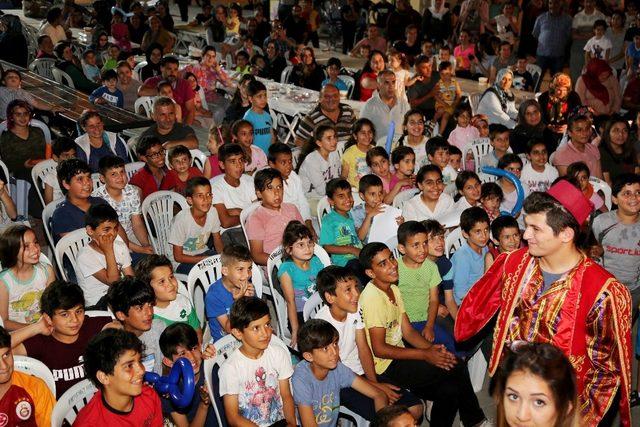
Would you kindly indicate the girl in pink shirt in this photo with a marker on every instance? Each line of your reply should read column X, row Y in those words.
column 463, row 134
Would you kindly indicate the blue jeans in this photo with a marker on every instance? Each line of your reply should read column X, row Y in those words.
column 441, row 336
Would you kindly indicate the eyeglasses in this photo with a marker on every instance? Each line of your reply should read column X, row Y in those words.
column 157, row 154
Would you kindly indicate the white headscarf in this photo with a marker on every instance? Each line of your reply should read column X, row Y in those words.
column 438, row 14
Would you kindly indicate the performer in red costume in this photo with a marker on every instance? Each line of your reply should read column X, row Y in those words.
column 551, row 292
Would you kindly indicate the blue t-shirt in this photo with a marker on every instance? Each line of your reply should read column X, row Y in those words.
column 190, row 410
column 68, row 217
column 359, row 213
column 217, row 302
column 634, row 54
column 468, row 267
column 96, row 154
column 339, row 230
column 340, row 84
column 115, row 98
column 323, row 396
column 304, row 281
column 262, row 125
column 446, row 273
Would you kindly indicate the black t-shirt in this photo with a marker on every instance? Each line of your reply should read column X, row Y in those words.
column 631, row 32
column 179, row 132
column 383, row 10
column 420, row 89
column 410, row 51
column 523, row 81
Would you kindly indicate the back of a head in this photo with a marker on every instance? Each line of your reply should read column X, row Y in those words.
column 472, row 216
column 129, row 292
column 314, row 334
column 99, row 214
column 386, row 416
column 246, row 310
column 177, row 335
column 61, row 295
column 104, row 350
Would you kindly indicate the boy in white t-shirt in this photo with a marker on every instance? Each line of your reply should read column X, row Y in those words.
column 254, row 380
column 537, row 174
column 62, row 148
column 106, row 258
column 338, row 288
column 192, row 228
column 438, row 154
column 598, row 46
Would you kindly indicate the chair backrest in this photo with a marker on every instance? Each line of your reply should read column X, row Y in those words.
column 350, row 82
column 157, row 210
column 244, row 215
column 7, row 177
column 536, row 73
column 137, row 68
column 312, row 306
column 71, row 402
column 600, row 185
column 198, row 158
column 453, row 241
column 403, row 197
column 62, row 77
column 474, row 100
column 479, row 149
column 69, row 247
column 35, row 123
column 144, row 104
column 47, row 213
column 31, row 366
column 284, row 77
column 322, row 209
column 43, row 67
column 95, row 179
column 38, row 172
column 99, row 313
column 224, row 347
column 132, row 168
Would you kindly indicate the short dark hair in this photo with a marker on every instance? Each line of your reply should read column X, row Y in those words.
column 316, row 333
column 177, row 334
column 243, row 54
column 178, row 150
column 376, row 152
column 60, row 295
column 100, row 213
column 409, row 229
column 424, row 170
column 557, row 216
column 88, row 114
column 228, row 150
column 399, row 153
column 146, row 143
column 369, row 180
column 276, row 150
column 337, row 184
column 53, row 14
column 144, row 268
column 502, row 222
column 67, row 169
column 264, row 177
column 472, row 216
column 169, row 60
column 5, row 338
column 109, row 74
column 496, row 129
column 444, row 64
column 623, row 179
column 62, row 144
column 328, row 278
column 575, row 118
column 254, row 87
column 369, row 251
column 433, row 227
column 109, row 162
column 507, row 159
column 465, row 176
column 385, row 416
column 104, row 350
column 454, row 151
column 129, row 292
column 196, row 181
column 576, row 167
column 600, row 23
column 235, row 253
column 533, row 142
column 246, row 310
column 489, row 189
column 88, row 52
column 334, row 61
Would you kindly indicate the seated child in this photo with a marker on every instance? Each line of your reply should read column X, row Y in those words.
column 455, row 159
column 131, row 301
column 438, row 154
column 191, row 229
column 491, row 198
column 334, row 65
column 108, row 93
column 338, row 288
column 267, row 222
column 89, row 67
column 447, row 94
column 506, row 238
column 165, row 88
column 26, row 399
column 62, row 148
column 149, row 150
column 581, row 173
column 522, row 79
column 171, row 306
column 242, row 63
column 255, row 158
column 468, row 260
column 234, row 284
column 319, row 161
column 259, row 368
column 511, row 163
column 394, row 416
column 431, row 202
column 113, row 362
column 469, row 190
column 435, row 252
column 354, row 164
column 218, row 135
column 106, row 258
column 125, row 199
column 499, row 140
column 298, row 272
column 537, row 174
column 338, row 234
column 319, row 379
column 372, row 193
column 378, row 161
column 403, row 160
column 464, row 133
column 181, row 170
column 413, row 135
column 23, row 278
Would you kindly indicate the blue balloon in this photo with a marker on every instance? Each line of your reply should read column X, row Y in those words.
column 515, row 181
column 171, row 385
column 392, row 130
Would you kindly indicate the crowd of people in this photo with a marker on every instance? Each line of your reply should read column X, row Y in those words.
column 543, row 282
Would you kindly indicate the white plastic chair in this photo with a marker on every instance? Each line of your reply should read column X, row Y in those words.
column 198, row 158
column 38, row 173
column 204, row 274
column 136, row 70
column 312, row 306
column 350, row 82
column 324, row 207
column 95, row 179
column 474, row 100
column 479, row 149
column 35, row 123
column 145, row 104
column 157, row 210
column 244, row 215
column 99, row 313
column 31, row 366
column 284, row 76
column 63, row 78
column 600, row 185
column 536, row 73
column 47, row 213
column 69, row 246
column 43, row 67
column 453, row 241
column 71, row 402
column 132, row 168
column 403, row 197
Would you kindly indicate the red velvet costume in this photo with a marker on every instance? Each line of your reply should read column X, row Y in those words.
column 586, row 313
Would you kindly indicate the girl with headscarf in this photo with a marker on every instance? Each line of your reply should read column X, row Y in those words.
column 436, row 22
column 13, row 44
column 599, row 89
column 557, row 103
column 152, row 69
column 498, row 102
column 530, row 126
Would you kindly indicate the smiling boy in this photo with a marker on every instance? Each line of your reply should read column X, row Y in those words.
column 537, row 174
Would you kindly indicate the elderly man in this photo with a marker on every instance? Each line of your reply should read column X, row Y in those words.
column 127, row 84
column 182, row 92
column 329, row 111
column 167, row 129
column 384, row 106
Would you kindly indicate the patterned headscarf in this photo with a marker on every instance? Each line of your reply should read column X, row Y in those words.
column 504, row 96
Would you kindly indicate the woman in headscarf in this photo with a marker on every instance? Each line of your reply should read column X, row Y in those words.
column 13, row 44
column 530, row 126
column 599, row 89
column 436, row 22
column 308, row 74
column 498, row 102
column 557, row 103
column 152, row 69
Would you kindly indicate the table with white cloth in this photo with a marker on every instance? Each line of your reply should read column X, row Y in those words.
column 189, row 35
column 82, row 39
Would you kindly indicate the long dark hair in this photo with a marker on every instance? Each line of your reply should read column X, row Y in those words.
column 405, row 133
column 311, row 145
column 357, row 127
column 11, row 239
column 628, row 151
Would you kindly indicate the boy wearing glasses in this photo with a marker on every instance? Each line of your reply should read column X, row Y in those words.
column 149, row 178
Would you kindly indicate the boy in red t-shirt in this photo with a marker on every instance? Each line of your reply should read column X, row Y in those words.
column 181, row 170
column 113, row 364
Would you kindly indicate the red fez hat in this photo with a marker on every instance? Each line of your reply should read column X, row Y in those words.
column 572, row 199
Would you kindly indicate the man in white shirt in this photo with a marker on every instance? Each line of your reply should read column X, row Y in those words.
column 53, row 26
column 384, row 106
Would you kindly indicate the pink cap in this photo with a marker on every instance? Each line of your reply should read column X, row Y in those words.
column 572, row 199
